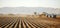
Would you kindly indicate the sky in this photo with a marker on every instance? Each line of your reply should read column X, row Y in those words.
column 28, row 3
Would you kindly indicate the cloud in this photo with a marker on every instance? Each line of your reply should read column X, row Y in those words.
column 30, row 3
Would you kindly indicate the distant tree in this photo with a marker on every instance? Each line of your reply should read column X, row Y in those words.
column 10, row 14
column 35, row 13
column 1, row 14
column 44, row 13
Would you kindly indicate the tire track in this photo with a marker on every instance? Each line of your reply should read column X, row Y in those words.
column 12, row 26
column 7, row 24
column 10, row 23
column 22, row 24
column 31, row 26
column 35, row 25
column 18, row 24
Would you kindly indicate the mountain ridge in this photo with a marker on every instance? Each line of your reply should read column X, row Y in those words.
column 29, row 10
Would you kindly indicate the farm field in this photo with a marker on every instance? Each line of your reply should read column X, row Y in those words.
column 28, row 22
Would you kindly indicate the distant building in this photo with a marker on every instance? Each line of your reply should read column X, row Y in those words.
column 51, row 15
column 48, row 15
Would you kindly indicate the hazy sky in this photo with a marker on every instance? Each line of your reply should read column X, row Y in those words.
column 30, row 3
